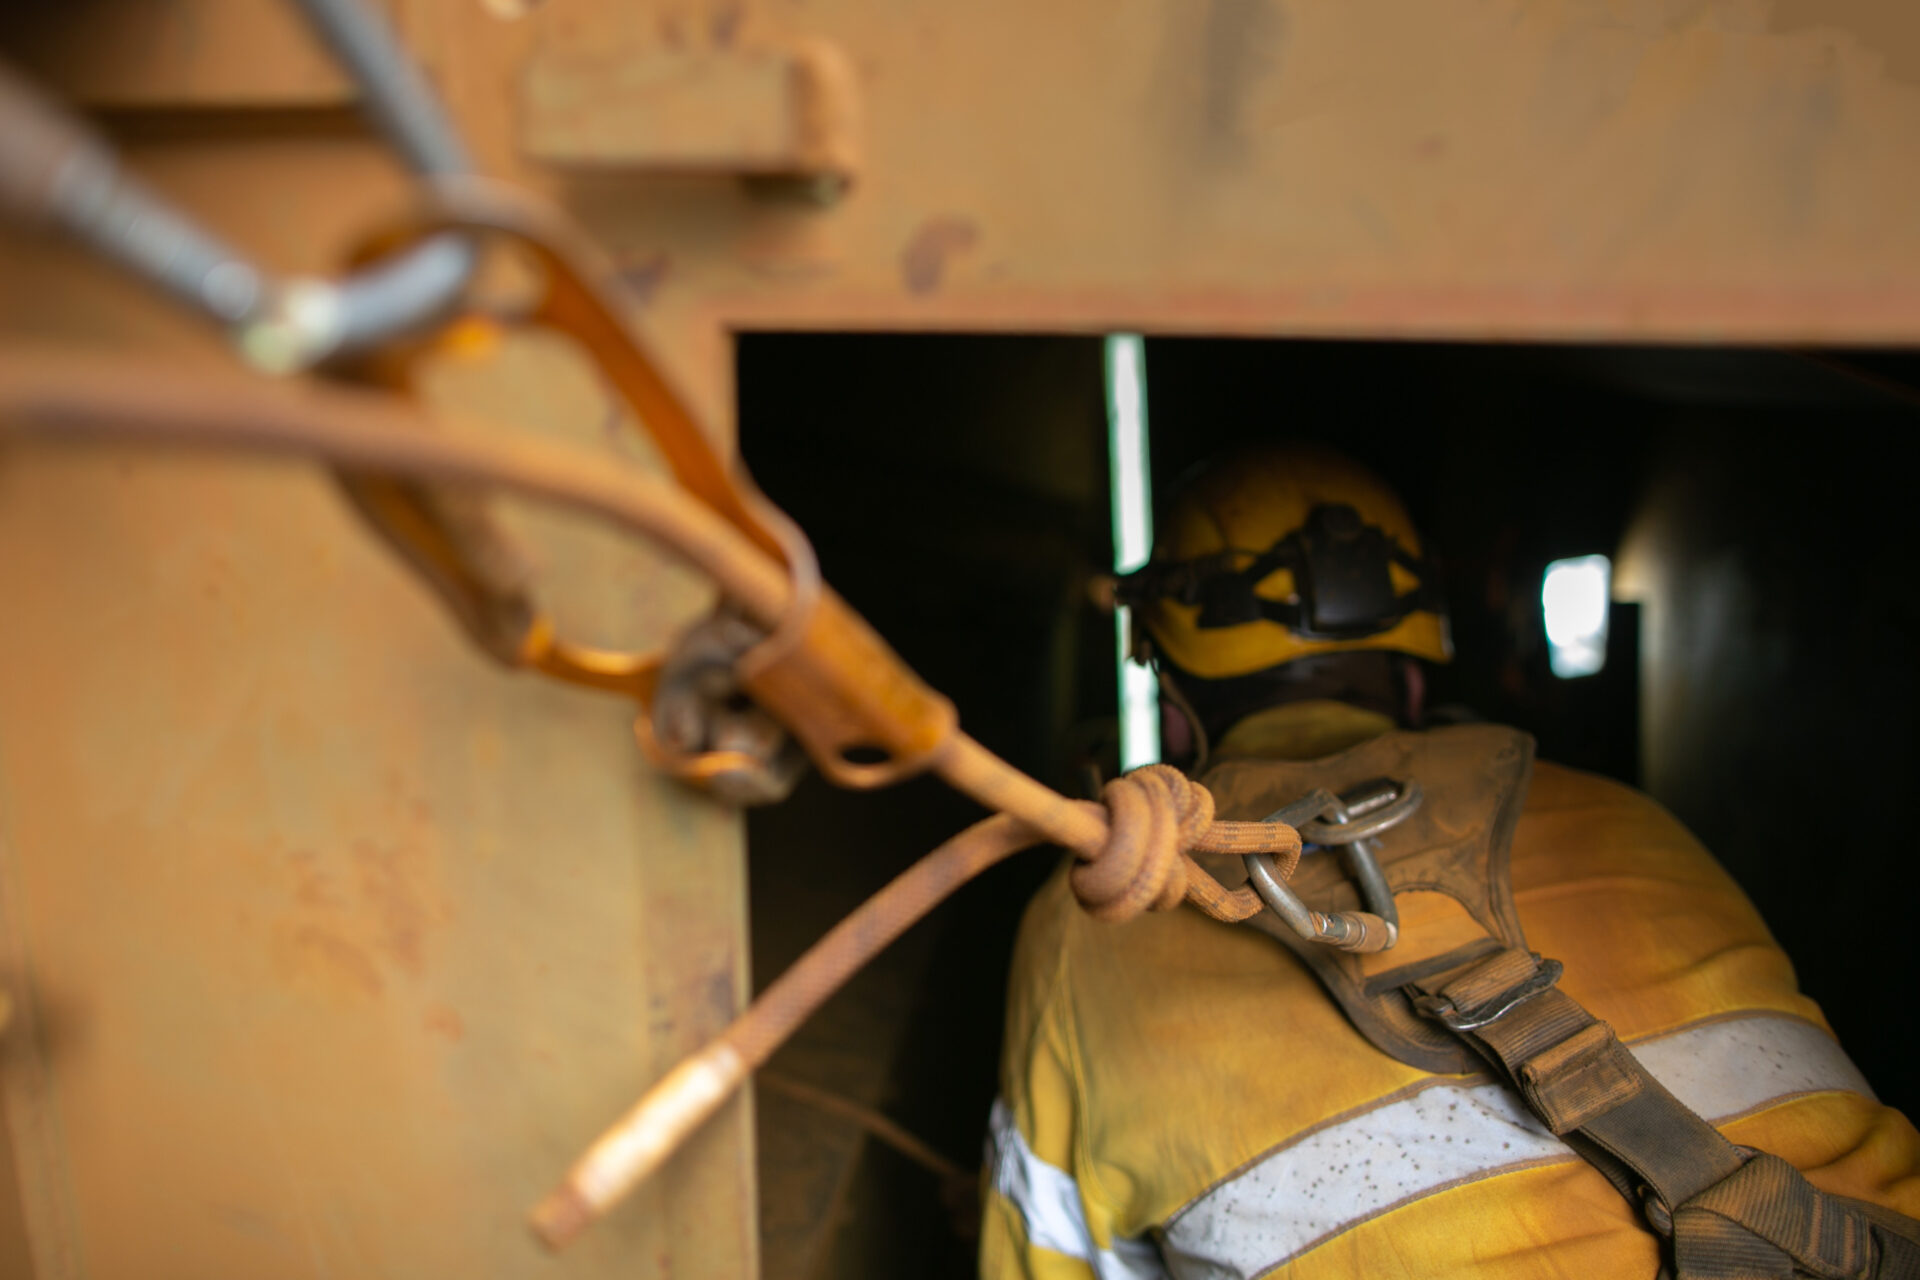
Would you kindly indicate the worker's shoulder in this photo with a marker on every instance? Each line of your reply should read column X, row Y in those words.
column 1572, row 825
column 1576, row 825
column 1555, row 786
column 1563, row 797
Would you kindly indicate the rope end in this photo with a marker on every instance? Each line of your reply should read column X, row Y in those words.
column 640, row 1142
column 560, row 1217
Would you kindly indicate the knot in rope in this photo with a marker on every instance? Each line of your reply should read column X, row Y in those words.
column 1154, row 815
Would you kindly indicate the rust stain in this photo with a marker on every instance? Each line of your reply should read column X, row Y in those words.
column 923, row 263
column 362, row 917
column 726, row 24
column 313, row 887
column 1241, row 46
column 445, row 1021
column 340, row 958
column 402, row 916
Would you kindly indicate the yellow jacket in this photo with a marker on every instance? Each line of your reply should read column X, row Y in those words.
column 1180, row 1097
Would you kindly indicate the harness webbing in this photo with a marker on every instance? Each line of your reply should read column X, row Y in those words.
column 1728, row 1212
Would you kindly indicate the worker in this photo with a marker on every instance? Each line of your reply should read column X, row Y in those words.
column 1190, row 1098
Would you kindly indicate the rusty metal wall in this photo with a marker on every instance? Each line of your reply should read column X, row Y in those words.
column 329, row 944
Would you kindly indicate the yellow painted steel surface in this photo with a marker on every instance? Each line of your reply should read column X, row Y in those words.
column 329, row 943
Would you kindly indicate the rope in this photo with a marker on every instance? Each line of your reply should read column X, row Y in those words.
column 916, row 1149
column 1154, row 815
column 1133, row 850
column 1157, row 817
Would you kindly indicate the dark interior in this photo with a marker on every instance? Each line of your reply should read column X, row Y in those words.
column 1760, row 682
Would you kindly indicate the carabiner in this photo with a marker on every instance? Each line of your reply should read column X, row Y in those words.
column 823, row 672
column 1348, row 822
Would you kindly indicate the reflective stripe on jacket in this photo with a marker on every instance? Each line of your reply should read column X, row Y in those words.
column 1181, row 1098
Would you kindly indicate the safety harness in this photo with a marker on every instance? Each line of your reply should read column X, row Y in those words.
column 1492, row 1003
column 1728, row 1211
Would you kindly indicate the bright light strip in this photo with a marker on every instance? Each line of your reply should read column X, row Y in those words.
column 1573, row 597
column 1132, row 535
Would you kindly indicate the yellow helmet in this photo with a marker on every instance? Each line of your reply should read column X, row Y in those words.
column 1280, row 552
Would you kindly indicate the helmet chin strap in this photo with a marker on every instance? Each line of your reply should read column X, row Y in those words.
column 1172, row 699
column 1413, row 682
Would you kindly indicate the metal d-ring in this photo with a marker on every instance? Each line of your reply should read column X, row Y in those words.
column 1365, row 812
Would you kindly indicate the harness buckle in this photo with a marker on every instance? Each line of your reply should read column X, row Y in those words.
column 1489, row 1011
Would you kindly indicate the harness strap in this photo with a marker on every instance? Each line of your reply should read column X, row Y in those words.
column 1729, row 1212
column 1767, row 1220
